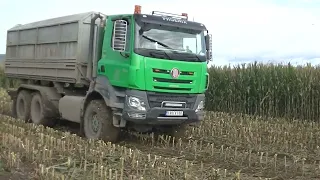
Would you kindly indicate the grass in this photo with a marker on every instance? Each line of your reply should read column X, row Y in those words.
column 224, row 146
column 2, row 168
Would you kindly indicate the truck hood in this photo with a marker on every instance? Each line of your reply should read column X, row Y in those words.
column 174, row 76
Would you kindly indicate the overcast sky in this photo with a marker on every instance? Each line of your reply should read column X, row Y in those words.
column 243, row 31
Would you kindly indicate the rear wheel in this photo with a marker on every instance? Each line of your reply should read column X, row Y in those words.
column 22, row 105
column 37, row 111
column 98, row 122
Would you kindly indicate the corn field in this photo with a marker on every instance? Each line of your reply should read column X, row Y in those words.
column 266, row 90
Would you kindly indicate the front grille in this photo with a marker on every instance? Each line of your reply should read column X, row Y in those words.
column 155, row 99
column 155, row 79
column 164, row 71
column 172, row 81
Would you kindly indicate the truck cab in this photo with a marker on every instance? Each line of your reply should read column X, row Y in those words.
column 161, row 62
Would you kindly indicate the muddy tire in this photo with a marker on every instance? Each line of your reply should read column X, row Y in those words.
column 22, row 105
column 97, row 122
column 37, row 111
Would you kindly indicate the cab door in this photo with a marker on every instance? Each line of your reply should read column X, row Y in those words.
column 116, row 51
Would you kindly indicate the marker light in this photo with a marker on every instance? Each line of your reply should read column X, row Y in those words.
column 184, row 14
column 137, row 9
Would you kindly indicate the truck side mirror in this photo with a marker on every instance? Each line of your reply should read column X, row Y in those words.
column 119, row 38
column 208, row 39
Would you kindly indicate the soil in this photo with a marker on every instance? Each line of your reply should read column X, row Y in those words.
column 25, row 172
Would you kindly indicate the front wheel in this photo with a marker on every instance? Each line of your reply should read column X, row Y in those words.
column 98, row 122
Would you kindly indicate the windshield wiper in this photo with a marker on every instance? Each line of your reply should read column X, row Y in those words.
column 153, row 52
column 197, row 57
column 153, row 40
column 190, row 55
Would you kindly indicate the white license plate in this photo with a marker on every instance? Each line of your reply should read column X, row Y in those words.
column 174, row 113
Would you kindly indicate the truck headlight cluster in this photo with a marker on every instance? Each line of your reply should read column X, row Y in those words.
column 136, row 103
column 200, row 106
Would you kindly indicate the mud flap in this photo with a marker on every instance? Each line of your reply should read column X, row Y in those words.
column 13, row 96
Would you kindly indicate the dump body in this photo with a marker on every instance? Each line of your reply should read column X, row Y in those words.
column 53, row 50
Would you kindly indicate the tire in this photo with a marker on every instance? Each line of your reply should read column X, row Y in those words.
column 22, row 105
column 104, row 123
column 37, row 112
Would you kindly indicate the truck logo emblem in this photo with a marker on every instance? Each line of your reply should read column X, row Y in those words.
column 174, row 20
column 175, row 73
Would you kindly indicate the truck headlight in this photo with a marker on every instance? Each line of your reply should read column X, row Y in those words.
column 200, row 106
column 136, row 103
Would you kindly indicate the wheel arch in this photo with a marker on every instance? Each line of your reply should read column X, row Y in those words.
column 101, row 89
column 94, row 95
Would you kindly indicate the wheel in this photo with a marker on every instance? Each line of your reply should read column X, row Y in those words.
column 98, row 122
column 37, row 111
column 22, row 105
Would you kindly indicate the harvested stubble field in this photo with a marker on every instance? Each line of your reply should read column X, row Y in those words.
column 224, row 146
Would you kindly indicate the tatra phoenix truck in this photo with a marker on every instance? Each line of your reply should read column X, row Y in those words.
column 137, row 71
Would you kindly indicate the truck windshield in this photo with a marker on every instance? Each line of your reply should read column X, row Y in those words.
column 170, row 39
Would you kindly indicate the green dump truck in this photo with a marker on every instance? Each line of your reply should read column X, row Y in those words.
column 135, row 71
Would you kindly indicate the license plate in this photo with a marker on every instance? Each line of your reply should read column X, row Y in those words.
column 174, row 113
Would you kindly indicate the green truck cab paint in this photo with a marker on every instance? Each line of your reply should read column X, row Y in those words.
column 139, row 67
column 113, row 64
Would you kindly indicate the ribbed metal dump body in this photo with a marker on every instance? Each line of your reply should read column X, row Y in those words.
column 54, row 49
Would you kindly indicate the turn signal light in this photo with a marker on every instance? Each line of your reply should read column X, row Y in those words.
column 137, row 9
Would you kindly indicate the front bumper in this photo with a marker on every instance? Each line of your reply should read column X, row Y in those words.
column 157, row 115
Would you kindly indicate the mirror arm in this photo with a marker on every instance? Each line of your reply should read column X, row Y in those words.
column 208, row 40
